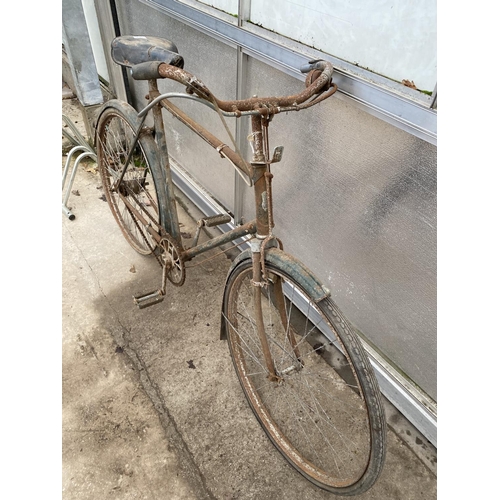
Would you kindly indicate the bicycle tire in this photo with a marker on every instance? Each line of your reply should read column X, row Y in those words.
column 325, row 417
column 142, row 187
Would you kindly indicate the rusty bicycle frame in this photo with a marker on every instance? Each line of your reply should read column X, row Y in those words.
column 261, row 110
column 256, row 172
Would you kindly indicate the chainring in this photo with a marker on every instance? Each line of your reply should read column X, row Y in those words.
column 170, row 252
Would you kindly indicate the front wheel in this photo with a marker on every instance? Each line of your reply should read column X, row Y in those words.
column 321, row 407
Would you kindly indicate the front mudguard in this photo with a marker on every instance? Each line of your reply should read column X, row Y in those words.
column 289, row 265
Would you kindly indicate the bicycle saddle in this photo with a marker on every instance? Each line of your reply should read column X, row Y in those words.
column 131, row 50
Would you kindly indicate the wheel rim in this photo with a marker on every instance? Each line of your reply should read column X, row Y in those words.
column 315, row 417
column 137, row 191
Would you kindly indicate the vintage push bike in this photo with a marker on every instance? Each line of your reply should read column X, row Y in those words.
column 300, row 364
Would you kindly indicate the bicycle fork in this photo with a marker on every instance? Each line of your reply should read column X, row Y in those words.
column 261, row 162
column 278, row 299
column 257, row 283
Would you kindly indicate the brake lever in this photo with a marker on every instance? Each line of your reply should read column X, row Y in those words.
column 319, row 97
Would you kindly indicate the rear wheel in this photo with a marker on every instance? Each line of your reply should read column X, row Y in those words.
column 139, row 200
column 321, row 408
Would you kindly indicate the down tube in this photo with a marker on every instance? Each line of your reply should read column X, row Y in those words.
column 234, row 234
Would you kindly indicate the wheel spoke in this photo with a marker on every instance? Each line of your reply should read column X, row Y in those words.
column 114, row 140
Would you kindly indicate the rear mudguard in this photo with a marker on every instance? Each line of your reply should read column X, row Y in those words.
column 124, row 108
column 288, row 264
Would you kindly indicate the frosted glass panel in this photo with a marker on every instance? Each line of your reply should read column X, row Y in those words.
column 394, row 39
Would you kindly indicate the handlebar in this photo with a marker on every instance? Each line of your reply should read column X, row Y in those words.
column 318, row 81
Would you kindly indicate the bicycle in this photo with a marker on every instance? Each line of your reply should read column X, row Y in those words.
column 302, row 368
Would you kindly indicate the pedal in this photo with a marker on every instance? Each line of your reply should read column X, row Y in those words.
column 149, row 299
column 215, row 220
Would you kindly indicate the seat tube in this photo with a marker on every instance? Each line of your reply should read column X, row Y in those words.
column 171, row 225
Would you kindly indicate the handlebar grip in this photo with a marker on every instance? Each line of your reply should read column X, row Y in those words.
column 148, row 70
column 315, row 64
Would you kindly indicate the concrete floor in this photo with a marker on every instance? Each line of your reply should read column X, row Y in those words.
column 152, row 408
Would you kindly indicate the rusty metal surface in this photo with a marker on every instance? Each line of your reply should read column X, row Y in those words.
column 268, row 105
column 245, row 229
column 259, row 319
